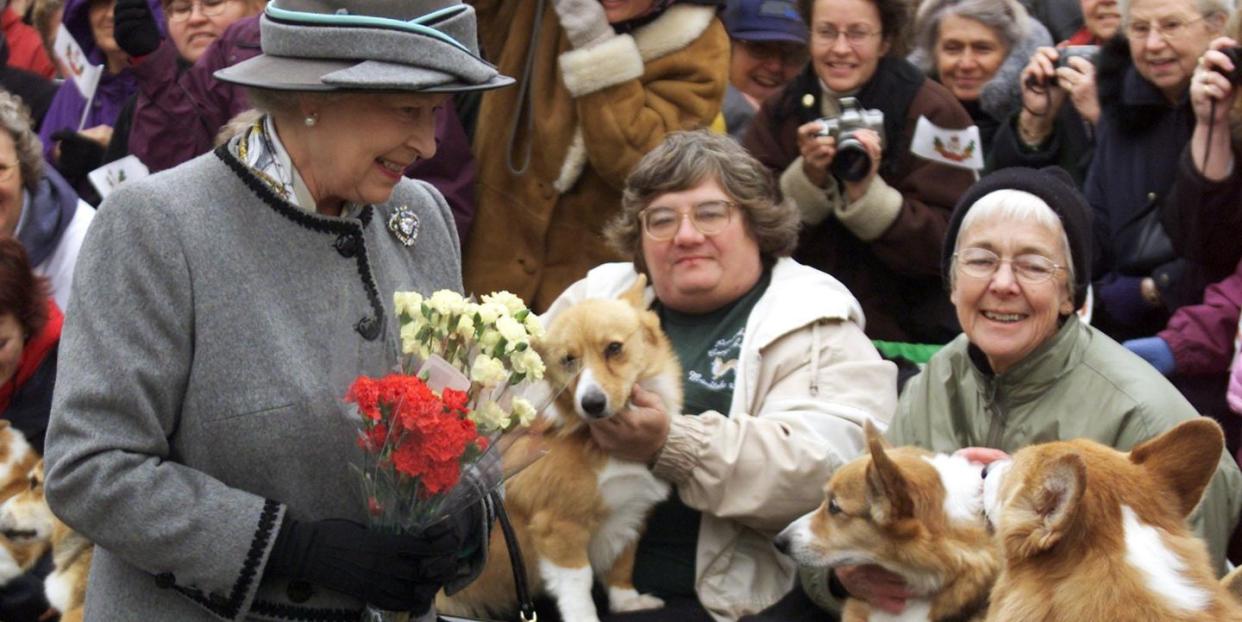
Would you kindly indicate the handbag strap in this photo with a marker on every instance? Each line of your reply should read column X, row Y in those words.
column 526, row 608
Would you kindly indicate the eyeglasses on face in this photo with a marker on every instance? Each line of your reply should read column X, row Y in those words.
column 1167, row 29
column 708, row 218
column 981, row 263
column 181, row 10
column 789, row 54
column 854, row 35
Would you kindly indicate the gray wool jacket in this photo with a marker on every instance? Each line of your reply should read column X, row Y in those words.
column 214, row 332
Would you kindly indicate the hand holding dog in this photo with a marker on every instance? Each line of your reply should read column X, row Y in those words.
column 636, row 433
column 881, row 589
column 981, row 455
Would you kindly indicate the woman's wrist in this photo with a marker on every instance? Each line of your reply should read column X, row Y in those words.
column 1033, row 132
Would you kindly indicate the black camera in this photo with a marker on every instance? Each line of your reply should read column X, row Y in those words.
column 1235, row 55
column 1088, row 52
column 852, row 162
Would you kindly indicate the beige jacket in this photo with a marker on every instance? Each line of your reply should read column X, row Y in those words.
column 807, row 379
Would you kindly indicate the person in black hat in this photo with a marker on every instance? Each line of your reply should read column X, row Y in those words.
column 199, row 435
column 1026, row 369
column 769, row 49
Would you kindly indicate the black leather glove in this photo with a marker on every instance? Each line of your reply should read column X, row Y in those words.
column 79, row 155
column 389, row 571
column 134, row 27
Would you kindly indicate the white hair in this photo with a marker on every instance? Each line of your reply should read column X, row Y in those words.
column 1015, row 205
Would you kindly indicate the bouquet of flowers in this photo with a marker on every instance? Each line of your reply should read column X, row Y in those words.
column 436, row 433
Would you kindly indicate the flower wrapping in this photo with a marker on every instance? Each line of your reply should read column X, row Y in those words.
column 436, row 434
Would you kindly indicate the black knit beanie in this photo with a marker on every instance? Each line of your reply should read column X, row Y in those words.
column 1056, row 188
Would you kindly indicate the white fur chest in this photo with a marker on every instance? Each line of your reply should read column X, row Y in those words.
column 629, row 490
column 58, row 587
column 917, row 610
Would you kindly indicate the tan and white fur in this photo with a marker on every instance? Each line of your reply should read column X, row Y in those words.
column 26, row 518
column 912, row 512
column 1091, row 533
column 577, row 511
column 17, row 457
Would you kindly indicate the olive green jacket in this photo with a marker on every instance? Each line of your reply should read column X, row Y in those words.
column 1080, row 384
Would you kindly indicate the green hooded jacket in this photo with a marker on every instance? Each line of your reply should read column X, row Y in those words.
column 1079, row 384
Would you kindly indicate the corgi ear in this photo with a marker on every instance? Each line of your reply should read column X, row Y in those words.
column 888, row 491
column 1052, row 500
column 1184, row 459
column 636, row 294
column 873, row 436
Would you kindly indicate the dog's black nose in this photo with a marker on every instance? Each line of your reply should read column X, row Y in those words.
column 781, row 542
column 594, row 403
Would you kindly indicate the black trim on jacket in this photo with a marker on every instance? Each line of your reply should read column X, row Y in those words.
column 349, row 242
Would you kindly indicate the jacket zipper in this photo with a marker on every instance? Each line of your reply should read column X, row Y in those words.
column 996, row 429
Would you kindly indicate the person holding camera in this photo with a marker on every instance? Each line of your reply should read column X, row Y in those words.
column 839, row 139
column 1046, row 131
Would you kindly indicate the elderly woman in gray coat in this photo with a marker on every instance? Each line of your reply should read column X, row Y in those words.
column 198, row 432
column 977, row 49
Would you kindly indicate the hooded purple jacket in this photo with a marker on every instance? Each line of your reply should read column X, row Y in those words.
column 1202, row 336
column 67, row 106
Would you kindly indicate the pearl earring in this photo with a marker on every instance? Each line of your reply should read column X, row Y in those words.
column 311, row 120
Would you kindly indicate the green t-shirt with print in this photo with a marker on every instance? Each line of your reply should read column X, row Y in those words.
column 708, row 346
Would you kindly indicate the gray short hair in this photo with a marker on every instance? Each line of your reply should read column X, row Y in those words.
column 1021, row 206
column 683, row 161
column 1006, row 18
column 1206, row 8
column 15, row 118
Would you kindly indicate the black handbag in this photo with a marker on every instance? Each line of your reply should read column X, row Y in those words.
column 526, row 607
column 1145, row 245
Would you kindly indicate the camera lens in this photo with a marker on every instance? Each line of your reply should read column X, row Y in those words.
column 851, row 162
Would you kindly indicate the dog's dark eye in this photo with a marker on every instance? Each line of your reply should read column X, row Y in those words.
column 833, row 508
column 613, row 349
column 568, row 361
column 34, row 483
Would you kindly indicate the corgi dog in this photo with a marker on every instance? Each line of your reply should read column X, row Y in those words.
column 25, row 517
column 17, row 457
column 914, row 513
column 578, row 512
column 1092, row 533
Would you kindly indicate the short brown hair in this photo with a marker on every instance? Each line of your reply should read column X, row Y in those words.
column 22, row 293
column 683, row 161
column 894, row 17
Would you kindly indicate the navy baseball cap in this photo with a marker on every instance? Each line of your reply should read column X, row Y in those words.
column 764, row 20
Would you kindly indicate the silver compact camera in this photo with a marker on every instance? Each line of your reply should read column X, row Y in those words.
column 852, row 162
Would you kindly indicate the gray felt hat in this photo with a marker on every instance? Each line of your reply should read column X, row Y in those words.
column 372, row 45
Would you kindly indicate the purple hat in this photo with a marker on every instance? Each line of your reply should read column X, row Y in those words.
column 765, row 20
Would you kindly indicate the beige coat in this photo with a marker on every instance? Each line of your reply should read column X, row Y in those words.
column 807, row 379
column 596, row 112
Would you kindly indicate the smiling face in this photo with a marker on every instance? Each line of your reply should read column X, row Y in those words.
column 624, row 10
column 844, row 65
column 1170, row 64
column 760, row 68
column 696, row 273
column 373, row 138
column 1101, row 17
column 194, row 34
column 1003, row 316
column 99, row 14
column 968, row 54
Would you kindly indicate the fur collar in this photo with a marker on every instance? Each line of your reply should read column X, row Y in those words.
column 1131, row 102
column 1002, row 95
column 676, row 28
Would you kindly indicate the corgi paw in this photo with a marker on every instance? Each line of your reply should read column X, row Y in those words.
column 626, row 599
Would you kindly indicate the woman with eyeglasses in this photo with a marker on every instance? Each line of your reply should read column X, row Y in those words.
column 192, row 26
column 76, row 129
column 873, row 213
column 779, row 377
column 1026, row 369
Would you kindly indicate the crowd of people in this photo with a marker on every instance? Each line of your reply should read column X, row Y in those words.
column 178, row 349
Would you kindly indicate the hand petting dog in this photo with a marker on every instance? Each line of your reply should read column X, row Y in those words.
column 636, row 433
